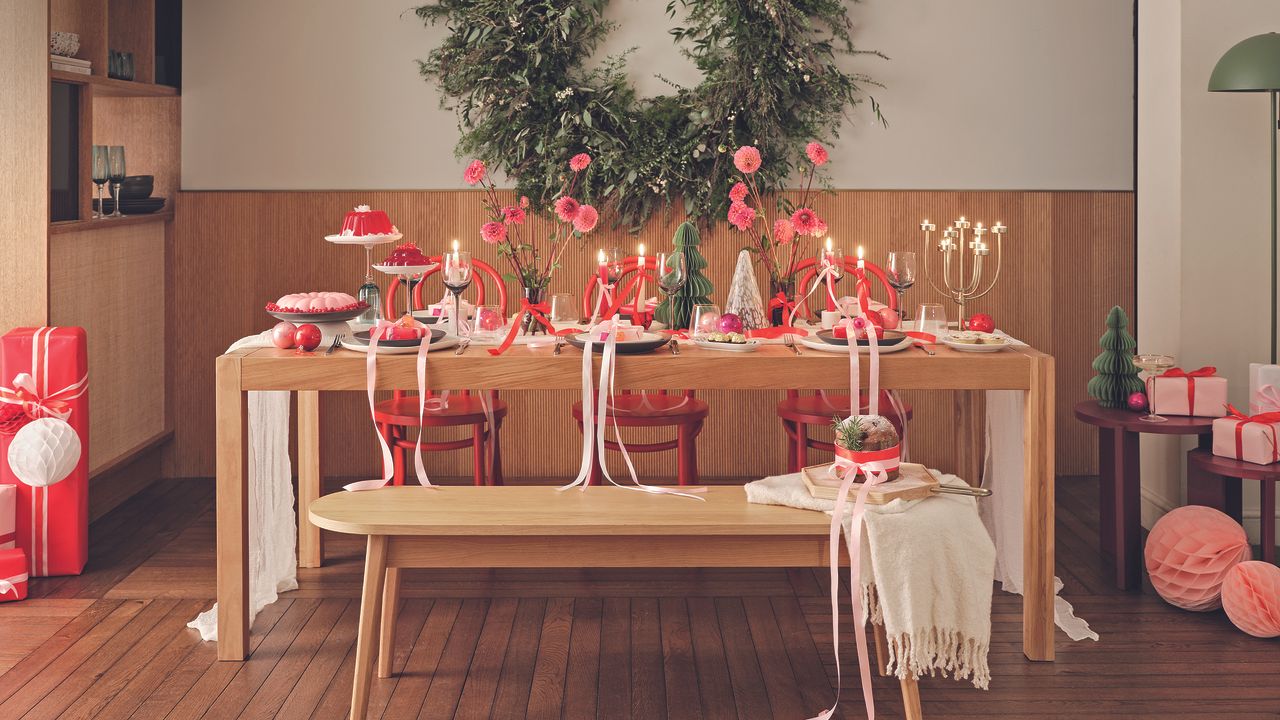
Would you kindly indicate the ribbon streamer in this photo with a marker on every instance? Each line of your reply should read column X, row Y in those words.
column 537, row 311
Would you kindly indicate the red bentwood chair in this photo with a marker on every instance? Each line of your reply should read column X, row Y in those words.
column 681, row 410
column 797, row 411
column 398, row 416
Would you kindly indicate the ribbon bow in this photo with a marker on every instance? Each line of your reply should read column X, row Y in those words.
column 1206, row 371
column 781, row 301
column 1266, row 418
column 8, row 585
column 25, row 394
column 1267, row 399
column 537, row 311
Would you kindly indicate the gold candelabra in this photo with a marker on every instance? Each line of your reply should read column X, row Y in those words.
column 962, row 288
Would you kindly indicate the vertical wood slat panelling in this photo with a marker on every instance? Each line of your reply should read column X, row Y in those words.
column 1068, row 257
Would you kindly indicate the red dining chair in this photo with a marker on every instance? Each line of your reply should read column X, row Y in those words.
column 798, row 411
column 396, row 417
column 629, row 285
column 681, row 410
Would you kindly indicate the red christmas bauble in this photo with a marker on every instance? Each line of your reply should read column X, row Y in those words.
column 1137, row 401
column 307, row 337
column 980, row 322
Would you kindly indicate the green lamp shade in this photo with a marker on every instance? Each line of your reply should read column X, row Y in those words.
column 1253, row 65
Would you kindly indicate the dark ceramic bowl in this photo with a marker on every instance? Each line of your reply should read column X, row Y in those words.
column 135, row 187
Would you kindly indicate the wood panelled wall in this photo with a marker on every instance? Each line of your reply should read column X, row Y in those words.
column 1069, row 257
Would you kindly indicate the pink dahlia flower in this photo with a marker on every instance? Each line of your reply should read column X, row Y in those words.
column 512, row 215
column 524, row 201
column 585, row 220
column 805, row 221
column 567, row 208
column 820, row 228
column 747, row 159
column 579, row 162
column 474, row 172
column 783, row 232
column 493, row 232
column 817, row 154
column 738, row 192
column 741, row 215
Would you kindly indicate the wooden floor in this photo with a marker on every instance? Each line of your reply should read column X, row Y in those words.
column 112, row 643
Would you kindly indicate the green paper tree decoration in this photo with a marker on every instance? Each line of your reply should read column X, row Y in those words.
column 676, row 309
column 1117, row 376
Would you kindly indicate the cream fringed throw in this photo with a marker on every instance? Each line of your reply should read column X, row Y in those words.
column 928, row 580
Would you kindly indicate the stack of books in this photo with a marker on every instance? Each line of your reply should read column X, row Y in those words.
column 68, row 64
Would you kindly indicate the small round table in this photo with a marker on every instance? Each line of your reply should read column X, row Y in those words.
column 1215, row 481
column 1119, row 506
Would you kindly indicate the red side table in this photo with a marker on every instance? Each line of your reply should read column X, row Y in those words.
column 1119, row 508
column 1215, row 481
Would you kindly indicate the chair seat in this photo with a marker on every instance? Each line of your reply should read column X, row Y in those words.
column 652, row 410
column 819, row 409
column 461, row 410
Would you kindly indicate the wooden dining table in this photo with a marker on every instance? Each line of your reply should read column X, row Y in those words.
column 772, row 367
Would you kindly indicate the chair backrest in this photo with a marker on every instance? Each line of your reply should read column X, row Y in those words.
column 629, row 282
column 478, row 275
column 810, row 270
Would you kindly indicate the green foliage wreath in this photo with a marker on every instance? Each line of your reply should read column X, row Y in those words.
column 515, row 73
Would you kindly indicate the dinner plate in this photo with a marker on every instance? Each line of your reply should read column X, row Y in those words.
column 889, row 337
column 647, row 343
column 363, row 338
column 969, row 347
column 748, row 346
column 318, row 317
column 813, row 344
column 442, row 344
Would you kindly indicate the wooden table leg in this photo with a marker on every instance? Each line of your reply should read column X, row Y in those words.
column 970, row 427
column 390, row 611
column 1120, row 512
column 310, row 547
column 882, row 649
column 1037, row 513
column 232, row 470
column 1267, row 520
column 375, row 577
column 911, row 699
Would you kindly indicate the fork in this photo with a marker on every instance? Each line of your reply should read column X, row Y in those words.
column 675, row 346
column 790, row 341
column 559, row 345
column 337, row 340
column 462, row 346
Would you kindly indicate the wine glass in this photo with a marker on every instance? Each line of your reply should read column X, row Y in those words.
column 456, row 269
column 901, row 267
column 671, row 273
column 705, row 320
column 1154, row 366
column 616, row 263
column 115, row 173
column 99, row 177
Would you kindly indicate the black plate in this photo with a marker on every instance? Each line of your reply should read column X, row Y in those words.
column 363, row 337
column 132, row 207
column 320, row 317
column 890, row 337
column 624, row 348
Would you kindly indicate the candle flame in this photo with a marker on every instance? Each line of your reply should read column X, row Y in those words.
column 600, row 255
column 455, row 246
column 829, row 244
column 641, row 249
column 859, row 252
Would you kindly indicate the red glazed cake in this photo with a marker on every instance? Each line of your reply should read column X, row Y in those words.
column 316, row 302
column 407, row 255
column 406, row 328
column 363, row 221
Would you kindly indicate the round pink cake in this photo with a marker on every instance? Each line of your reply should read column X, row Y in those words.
column 315, row 302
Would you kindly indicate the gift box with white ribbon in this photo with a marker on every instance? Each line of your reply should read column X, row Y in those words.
column 13, row 575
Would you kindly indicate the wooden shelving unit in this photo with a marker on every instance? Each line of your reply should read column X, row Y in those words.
column 111, row 87
column 67, row 226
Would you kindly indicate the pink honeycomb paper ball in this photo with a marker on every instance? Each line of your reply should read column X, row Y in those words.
column 1251, row 598
column 1189, row 553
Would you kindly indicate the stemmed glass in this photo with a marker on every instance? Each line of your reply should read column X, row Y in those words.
column 671, row 274
column 99, row 177
column 456, row 269
column 1154, row 366
column 901, row 268
column 115, row 172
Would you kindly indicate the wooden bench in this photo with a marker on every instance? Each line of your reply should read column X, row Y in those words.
column 531, row 527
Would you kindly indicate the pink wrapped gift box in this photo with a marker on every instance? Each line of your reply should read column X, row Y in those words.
column 1199, row 392
column 1264, row 388
column 1253, row 439
column 8, row 517
column 13, row 575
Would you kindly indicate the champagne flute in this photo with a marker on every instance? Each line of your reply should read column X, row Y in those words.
column 1154, row 366
column 901, row 268
column 456, row 268
column 99, row 177
column 116, row 172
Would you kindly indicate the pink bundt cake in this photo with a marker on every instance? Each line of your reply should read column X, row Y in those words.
column 316, row 302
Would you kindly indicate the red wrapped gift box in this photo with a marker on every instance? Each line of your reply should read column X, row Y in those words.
column 1198, row 392
column 13, row 575
column 44, row 373
column 8, row 517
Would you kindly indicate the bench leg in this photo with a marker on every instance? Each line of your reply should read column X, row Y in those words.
column 911, row 699
column 390, row 611
column 375, row 576
column 310, row 547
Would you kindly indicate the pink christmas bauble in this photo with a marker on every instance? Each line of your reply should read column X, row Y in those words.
column 890, row 317
column 1189, row 553
column 730, row 323
column 1251, row 598
column 282, row 334
column 1137, row 401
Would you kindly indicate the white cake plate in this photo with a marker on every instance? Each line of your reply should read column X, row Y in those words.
column 368, row 241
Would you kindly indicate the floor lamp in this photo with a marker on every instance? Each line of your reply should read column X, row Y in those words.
column 1253, row 65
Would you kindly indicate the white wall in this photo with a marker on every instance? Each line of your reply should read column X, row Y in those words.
column 1203, row 197
column 981, row 94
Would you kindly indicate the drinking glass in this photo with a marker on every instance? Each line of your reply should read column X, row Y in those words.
column 115, row 173
column 1153, row 366
column 456, row 269
column 616, row 263
column 489, row 321
column 100, row 174
column 671, row 272
column 562, row 309
column 931, row 318
column 833, row 258
column 901, row 269
column 704, row 320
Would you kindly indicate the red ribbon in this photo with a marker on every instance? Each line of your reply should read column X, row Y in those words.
column 781, row 301
column 1268, row 418
column 1206, row 371
column 537, row 311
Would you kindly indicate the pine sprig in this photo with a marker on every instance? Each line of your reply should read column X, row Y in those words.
column 849, row 432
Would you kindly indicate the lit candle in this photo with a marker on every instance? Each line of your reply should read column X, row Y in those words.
column 641, row 269
column 829, row 261
column 861, row 263
column 455, row 250
column 860, row 286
